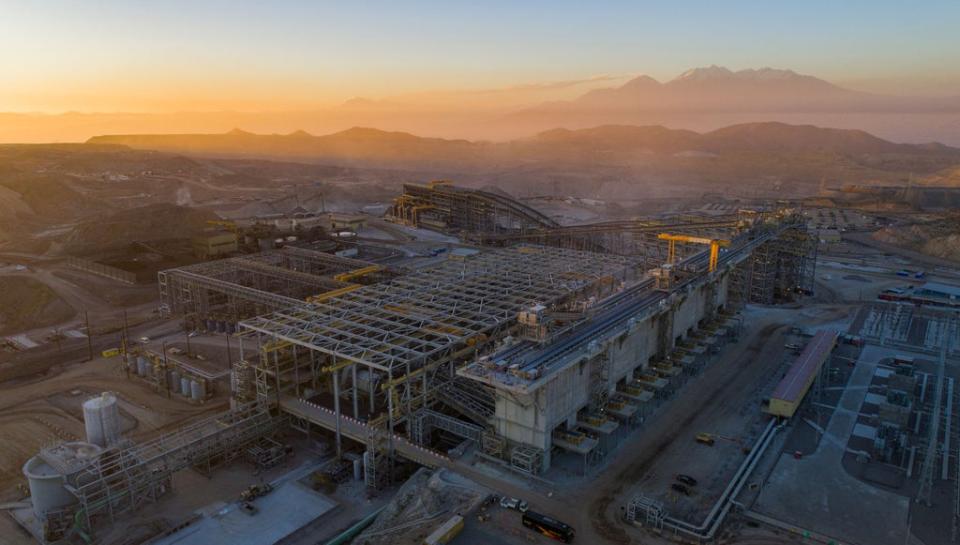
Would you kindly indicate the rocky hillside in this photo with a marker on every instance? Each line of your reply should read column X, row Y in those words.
column 939, row 239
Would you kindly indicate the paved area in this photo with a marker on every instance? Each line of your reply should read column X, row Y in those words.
column 816, row 492
column 280, row 513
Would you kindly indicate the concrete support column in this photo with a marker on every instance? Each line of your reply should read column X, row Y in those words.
column 370, row 389
column 353, row 382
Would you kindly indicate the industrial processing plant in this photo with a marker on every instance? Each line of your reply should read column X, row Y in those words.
column 484, row 343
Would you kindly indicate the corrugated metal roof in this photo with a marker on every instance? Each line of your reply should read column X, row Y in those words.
column 794, row 385
column 939, row 288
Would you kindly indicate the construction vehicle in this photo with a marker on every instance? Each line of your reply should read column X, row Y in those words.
column 255, row 491
column 677, row 487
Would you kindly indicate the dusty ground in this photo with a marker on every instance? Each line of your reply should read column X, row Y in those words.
column 939, row 239
column 26, row 303
column 39, row 412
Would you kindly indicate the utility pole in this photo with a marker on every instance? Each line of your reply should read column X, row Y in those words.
column 186, row 334
column 86, row 319
column 163, row 347
column 125, row 338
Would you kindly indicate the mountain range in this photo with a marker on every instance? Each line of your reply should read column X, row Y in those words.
column 717, row 89
column 605, row 160
column 701, row 99
column 610, row 143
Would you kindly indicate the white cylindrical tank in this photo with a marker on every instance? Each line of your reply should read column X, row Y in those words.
column 198, row 389
column 46, row 487
column 47, row 490
column 141, row 366
column 174, row 380
column 185, row 386
column 101, row 419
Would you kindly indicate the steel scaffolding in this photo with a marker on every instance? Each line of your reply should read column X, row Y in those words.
column 440, row 205
column 408, row 334
column 240, row 287
column 127, row 476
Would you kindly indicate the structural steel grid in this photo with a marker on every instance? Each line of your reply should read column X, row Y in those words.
column 410, row 329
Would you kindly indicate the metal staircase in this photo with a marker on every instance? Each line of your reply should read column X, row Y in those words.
column 473, row 399
column 426, row 420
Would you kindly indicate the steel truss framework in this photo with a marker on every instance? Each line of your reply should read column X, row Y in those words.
column 623, row 237
column 778, row 268
column 409, row 333
column 127, row 476
column 414, row 318
column 239, row 287
column 443, row 206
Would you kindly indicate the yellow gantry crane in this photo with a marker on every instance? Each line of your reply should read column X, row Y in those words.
column 714, row 243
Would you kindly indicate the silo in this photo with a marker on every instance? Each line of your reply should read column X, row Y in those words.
column 141, row 366
column 174, row 382
column 101, row 419
column 196, row 389
column 47, row 491
column 185, row 386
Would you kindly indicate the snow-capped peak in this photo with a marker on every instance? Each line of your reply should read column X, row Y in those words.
column 719, row 72
column 710, row 72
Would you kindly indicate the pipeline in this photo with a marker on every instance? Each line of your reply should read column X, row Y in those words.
column 706, row 530
column 355, row 530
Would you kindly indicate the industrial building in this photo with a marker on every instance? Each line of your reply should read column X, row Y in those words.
column 542, row 339
column 790, row 391
column 214, row 243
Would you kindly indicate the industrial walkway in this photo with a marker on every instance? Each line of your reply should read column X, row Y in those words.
column 361, row 432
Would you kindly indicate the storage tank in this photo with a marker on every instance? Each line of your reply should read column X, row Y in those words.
column 101, row 419
column 174, row 382
column 141, row 366
column 47, row 490
column 185, row 386
column 197, row 390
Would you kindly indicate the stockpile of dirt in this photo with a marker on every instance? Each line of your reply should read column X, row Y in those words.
column 423, row 503
column 939, row 239
column 121, row 228
column 26, row 304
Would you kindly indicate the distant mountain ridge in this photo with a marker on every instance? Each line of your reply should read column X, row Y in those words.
column 611, row 161
column 397, row 148
column 718, row 89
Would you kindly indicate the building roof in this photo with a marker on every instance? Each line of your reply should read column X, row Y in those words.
column 946, row 289
column 794, row 385
column 349, row 218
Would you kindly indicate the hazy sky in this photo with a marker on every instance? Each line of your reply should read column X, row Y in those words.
column 134, row 55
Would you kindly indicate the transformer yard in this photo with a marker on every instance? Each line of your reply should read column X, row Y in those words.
column 682, row 377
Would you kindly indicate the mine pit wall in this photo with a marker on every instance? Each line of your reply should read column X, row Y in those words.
column 531, row 418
